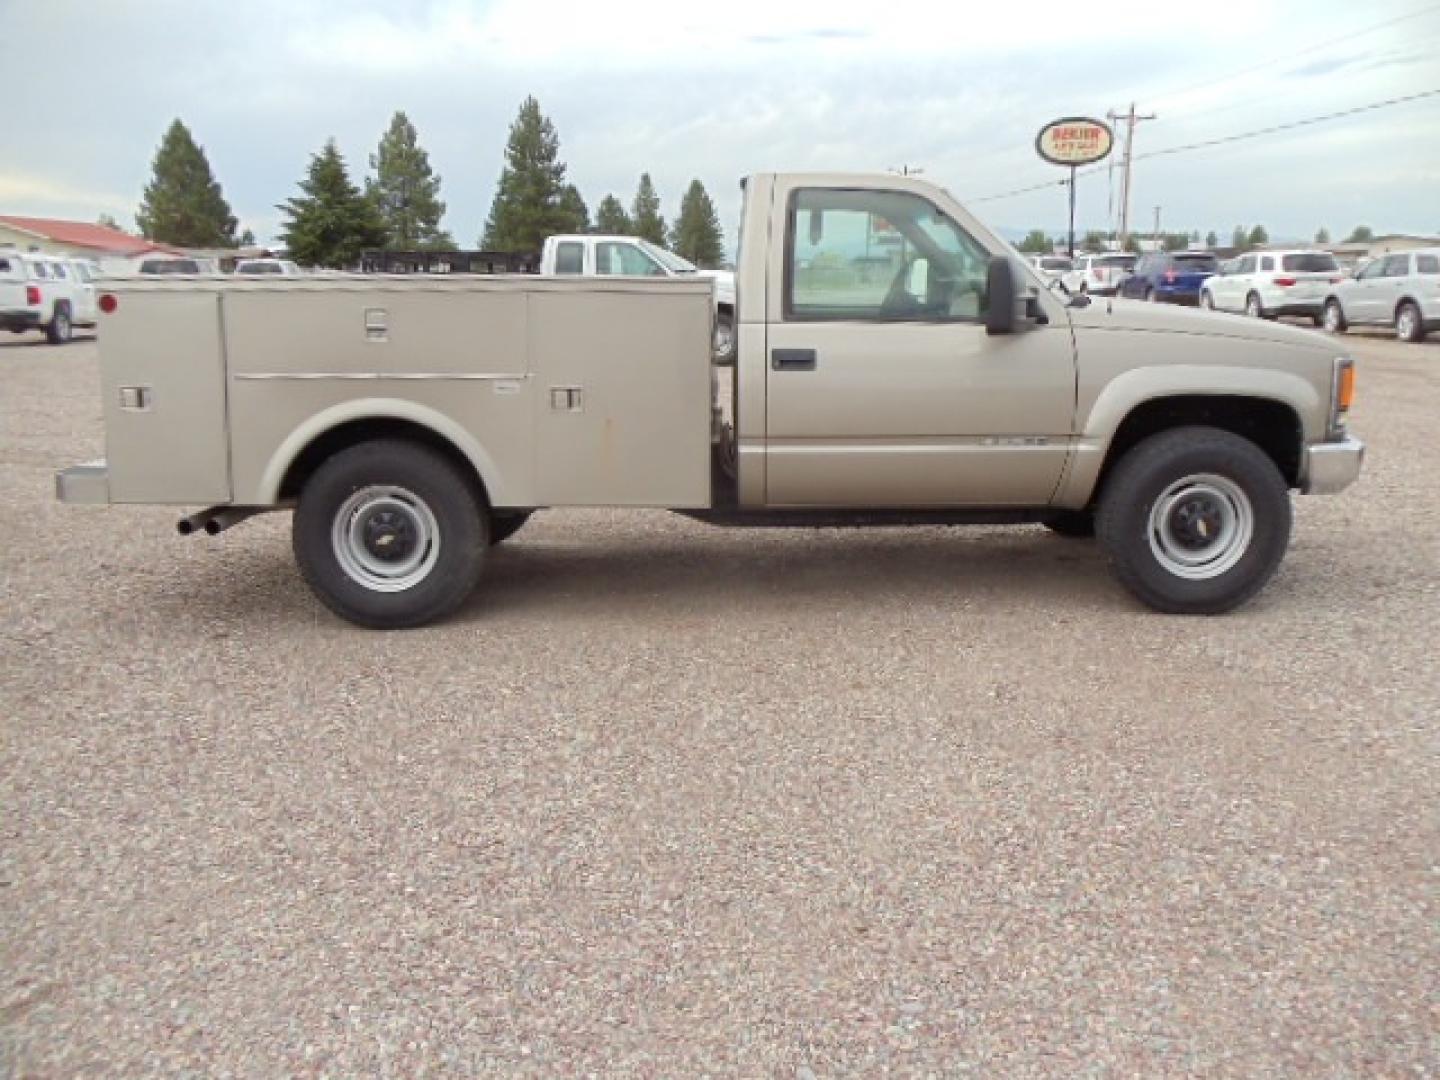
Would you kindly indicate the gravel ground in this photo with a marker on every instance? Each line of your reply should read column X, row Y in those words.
column 669, row 800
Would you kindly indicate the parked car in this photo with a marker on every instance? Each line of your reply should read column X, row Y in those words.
column 412, row 424
column 1052, row 267
column 630, row 256
column 1099, row 275
column 1169, row 277
column 52, row 293
column 279, row 267
column 1265, row 284
column 1400, row 290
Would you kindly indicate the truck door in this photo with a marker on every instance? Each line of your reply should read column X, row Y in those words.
column 882, row 387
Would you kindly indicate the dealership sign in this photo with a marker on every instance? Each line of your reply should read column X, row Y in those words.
column 1073, row 141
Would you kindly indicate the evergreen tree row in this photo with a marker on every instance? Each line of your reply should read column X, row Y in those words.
column 332, row 220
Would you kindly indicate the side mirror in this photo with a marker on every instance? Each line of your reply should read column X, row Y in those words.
column 1014, row 306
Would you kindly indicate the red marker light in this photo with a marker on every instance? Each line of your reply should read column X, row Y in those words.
column 32, row 294
column 1287, row 281
column 108, row 303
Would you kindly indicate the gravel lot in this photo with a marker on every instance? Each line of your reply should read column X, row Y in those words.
column 669, row 800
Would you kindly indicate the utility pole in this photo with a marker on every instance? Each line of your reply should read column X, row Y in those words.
column 1131, row 119
column 1157, row 229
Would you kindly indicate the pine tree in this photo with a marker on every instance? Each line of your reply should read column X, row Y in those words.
column 332, row 222
column 1036, row 242
column 406, row 191
column 1258, row 237
column 1211, row 240
column 645, row 219
column 576, row 215
column 527, row 206
column 183, row 203
column 247, row 238
column 611, row 218
column 696, row 235
column 1322, row 235
column 1238, row 238
column 1361, row 234
column 108, row 221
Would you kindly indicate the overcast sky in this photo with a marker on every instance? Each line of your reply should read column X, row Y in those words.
column 720, row 89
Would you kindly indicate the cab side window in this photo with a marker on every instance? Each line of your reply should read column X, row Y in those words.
column 877, row 256
column 626, row 260
column 1247, row 265
column 1397, row 265
column 1267, row 264
column 570, row 258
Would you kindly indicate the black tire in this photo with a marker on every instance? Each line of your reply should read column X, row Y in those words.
column 60, row 329
column 387, row 474
column 504, row 526
column 1409, row 323
column 1333, row 317
column 1075, row 524
column 1164, row 463
column 1151, row 296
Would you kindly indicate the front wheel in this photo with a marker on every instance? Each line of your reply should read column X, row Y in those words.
column 1334, row 317
column 1207, row 301
column 1253, row 307
column 1152, row 296
column 390, row 534
column 1408, row 325
column 1195, row 520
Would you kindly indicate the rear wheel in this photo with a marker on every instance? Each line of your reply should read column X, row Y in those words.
column 1253, row 307
column 390, row 534
column 60, row 329
column 1152, row 296
column 1195, row 520
column 1206, row 300
column 1408, row 325
column 1334, row 318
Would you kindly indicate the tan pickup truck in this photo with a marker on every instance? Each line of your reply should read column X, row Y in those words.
column 895, row 362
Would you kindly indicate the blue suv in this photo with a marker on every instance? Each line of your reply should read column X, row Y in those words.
column 1171, row 278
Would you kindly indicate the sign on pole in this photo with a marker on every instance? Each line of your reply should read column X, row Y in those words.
column 1074, row 141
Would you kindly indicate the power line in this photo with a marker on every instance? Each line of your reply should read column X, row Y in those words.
column 1290, row 55
column 1185, row 148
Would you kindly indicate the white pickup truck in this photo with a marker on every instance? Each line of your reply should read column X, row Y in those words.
column 895, row 362
column 50, row 293
column 587, row 255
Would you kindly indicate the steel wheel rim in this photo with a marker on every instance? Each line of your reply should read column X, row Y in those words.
column 1201, row 526
column 1332, row 317
column 385, row 538
column 1406, row 323
column 1252, row 307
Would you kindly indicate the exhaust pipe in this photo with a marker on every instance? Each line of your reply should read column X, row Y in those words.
column 215, row 520
column 220, row 520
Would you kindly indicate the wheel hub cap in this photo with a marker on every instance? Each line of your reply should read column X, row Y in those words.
column 385, row 538
column 1201, row 526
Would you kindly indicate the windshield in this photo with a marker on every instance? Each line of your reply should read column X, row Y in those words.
column 1196, row 263
column 1310, row 262
column 1124, row 262
column 1055, row 264
column 668, row 259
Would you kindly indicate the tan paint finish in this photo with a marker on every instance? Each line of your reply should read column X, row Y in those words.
column 173, row 450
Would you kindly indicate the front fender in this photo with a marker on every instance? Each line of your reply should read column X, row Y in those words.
column 1130, row 389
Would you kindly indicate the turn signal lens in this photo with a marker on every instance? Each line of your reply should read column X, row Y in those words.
column 108, row 303
column 1345, row 392
column 32, row 295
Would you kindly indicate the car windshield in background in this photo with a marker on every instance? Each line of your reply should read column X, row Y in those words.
column 1124, row 262
column 1196, row 263
column 259, row 268
column 668, row 259
column 1055, row 264
column 1310, row 262
column 170, row 266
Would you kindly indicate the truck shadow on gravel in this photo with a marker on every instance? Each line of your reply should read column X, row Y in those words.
column 750, row 570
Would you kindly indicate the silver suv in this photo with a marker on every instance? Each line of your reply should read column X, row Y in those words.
column 1400, row 290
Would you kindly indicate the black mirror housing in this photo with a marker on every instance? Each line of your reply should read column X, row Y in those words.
column 1012, row 306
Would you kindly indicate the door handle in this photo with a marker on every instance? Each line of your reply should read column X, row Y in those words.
column 792, row 359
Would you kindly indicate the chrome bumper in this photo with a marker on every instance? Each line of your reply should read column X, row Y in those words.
column 88, row 483
column 1332, row 467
